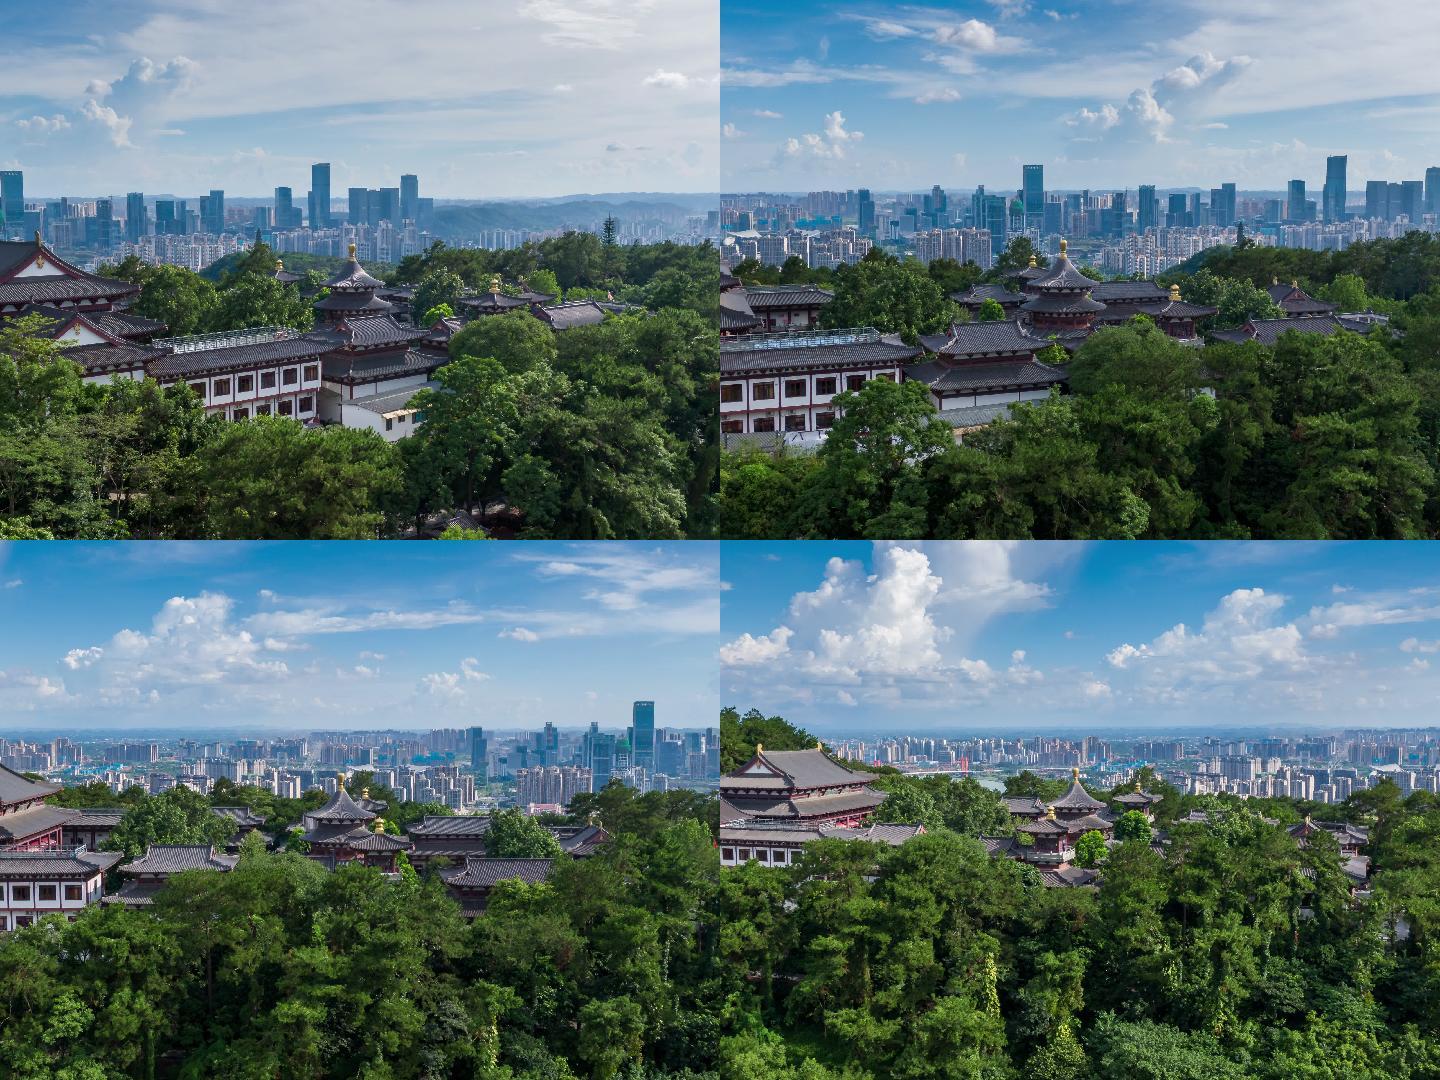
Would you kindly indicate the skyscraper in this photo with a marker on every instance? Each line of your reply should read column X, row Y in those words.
column 410, row 197
column 865, row 214
column 1377, row 199
column 1333, row 196
column 643, row 739
column 388, row 205
column 212, row 211
column 166, row 224
column 1295, row 200
column 480, row 755
column 287, row 215
column 1432, row 190
column 1149, row 208
column 12, row 202
column 1032, row 181
column 1412, row 199
column 320, row 195
column 137, row 221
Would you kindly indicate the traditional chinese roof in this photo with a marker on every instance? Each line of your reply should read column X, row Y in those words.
column 849, row 802
column 1268, row 331
column 975, row 378
column 340, row 808
column 1004, row 337
column 125, row 325
column 451, row 825
column 354, row 302
column 60, row 322
column 969, row 417
column 1045, row 826
column 1062, row 276
column 213, row 354
column 97, row 816
column 374, row 841
column 1295, row 301
column 371, row 367
column 99, row 359
column 977, row 294
column 789, row 770
column 766, row 297
column 243, row 816
column 813, row 349
column 1061, row 303
column 1090, row 822
column 796, row 834
column 1077, row 798
column 1128, row 292
column 736, row 314
column 373, row 332
column 494, row 301
column 66, row 283
column 1024, row 805
column 1068, row 877
column 582, row 842
column 480, row 873
column 15, row 788
column 38, row 819
column 397, row 401
column 352, row 276
column 64, row 863
column 175, row 858
column 573, row 313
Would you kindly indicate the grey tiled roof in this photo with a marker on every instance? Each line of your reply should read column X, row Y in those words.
column 1068, row 878
column 174, row 858
column 134, row 894
column 973, row 416
column 41, row 290
column 1268, row 331
column 1062, row 276
column 392, row 402
column 341, row 807
column 97, row 816
column 808, row 807
column 572, row 313
column 353, row 276
column 15, row 787
column 1023, row 804
column 1061, row 304
column 234, row 357
column 1077, row 798
column 1002, row 337
column 739, row 356
column 473, row 825
column 37, row 819
column 101, row 358
column 1115, row 292
column 496, row 301
column 241, row 815
column 123, row 324
column 485, row 873
column 762, row 297
column 66, row 863
column 372, row 331
column 363, row 302
column 979, row 293
column 798, row 769
column 970, row 377
column 377, row 365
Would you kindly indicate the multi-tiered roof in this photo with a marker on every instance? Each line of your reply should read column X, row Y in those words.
column 797, row 786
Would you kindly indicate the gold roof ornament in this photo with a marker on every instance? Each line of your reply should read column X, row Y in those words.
column 365, row 793
column 279, row 265
column 495, row 283
column 1075, row 775
column 1064, row 246
column 352, row 249
column 819, row 745
column 1294, row 284
column 1274, row 281
column 39, row 250
column 1032, row 260
column 1050, row 812
column 1174, row 294
column 379, row 824
column 759, row 747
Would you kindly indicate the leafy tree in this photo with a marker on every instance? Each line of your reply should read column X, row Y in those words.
column 178, row 816
column 518, row 340
column 251, row 300
column 890, row 296
column 739, row 735
column 991, row 311
column 437, row 288
column 1133, row 825
column 1090, row 849
column 512, row 835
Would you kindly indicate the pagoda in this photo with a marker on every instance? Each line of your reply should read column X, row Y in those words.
column 1060, row 300
column 340, row 831
column 351, row 294
column 797, row 786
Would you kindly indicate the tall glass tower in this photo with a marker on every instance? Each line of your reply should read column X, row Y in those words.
column 643, row 725
column 1333, row 196
column 320, row 195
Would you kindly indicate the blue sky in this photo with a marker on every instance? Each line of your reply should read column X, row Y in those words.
column 1103, row 93
column 1009, row 637
column 303, row 636
column 506, row 98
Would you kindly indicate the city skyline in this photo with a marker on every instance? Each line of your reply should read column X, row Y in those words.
column 332, row 636
column 1004, row 638
column 157, row 97
column 895, row 96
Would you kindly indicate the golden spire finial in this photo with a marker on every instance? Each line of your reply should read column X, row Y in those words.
column 365, row 793
column 352, row 249
column 1174, row 294
column 279, row 265
column 495, row 283
column 1050, row 812
column 1063, row 246
column 758, row 748
column 379, row 824
column 1274, row 281
column 1075, row 775
column 1032, row 260
column 1294, row 284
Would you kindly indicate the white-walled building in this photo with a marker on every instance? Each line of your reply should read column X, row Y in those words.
column 64, row 881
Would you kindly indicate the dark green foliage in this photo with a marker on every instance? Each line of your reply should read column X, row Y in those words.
column 282, row 968
column 1231, row 951
column 1318, row 438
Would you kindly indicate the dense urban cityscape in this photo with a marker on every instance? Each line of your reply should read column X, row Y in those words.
column 1141, row 231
